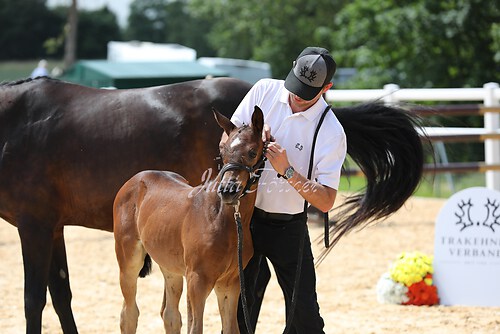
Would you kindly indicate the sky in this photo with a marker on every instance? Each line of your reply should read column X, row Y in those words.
column 119, row 7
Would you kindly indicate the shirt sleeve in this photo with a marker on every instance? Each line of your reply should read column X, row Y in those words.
column 329, row 167
column 243, row 114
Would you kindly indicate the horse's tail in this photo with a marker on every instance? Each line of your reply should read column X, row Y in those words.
column 147, row 267
column 384, row 143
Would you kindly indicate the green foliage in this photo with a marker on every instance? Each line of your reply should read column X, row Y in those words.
column 24, row 26
column 420, row 43
column 414, row 43
column 268, row 30
column 495, row 36
column 31, row 31
column 147, row 20
column 95, row 29
column 165, row 21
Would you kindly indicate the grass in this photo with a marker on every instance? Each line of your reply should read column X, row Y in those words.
column 15, row 70
column 439, row 185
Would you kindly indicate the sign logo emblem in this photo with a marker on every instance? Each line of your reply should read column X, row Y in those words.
column 490, row 217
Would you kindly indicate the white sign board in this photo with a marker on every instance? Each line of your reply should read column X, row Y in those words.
column 467, row 249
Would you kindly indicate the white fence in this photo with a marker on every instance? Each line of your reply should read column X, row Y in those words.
column 489, row 95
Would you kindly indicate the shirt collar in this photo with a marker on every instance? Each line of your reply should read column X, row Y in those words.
column 310, row 114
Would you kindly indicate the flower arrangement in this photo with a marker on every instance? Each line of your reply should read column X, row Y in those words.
column 409, row 281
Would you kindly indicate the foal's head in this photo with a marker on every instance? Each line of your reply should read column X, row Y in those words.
column 242, row 154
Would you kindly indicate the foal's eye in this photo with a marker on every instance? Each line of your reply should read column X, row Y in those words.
column 252, row 154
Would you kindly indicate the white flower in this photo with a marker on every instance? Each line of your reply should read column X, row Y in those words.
column 391, row 292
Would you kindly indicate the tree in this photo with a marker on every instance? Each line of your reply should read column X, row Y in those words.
column 24, row 26
column 167, row 21
column 96, row 28
column 71, row 32
column 147, row 20
column 187, row 29
column 419, row 43
column 268, row 30
column 414, row 43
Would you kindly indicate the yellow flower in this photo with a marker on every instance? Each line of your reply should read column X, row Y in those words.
column 411, row 268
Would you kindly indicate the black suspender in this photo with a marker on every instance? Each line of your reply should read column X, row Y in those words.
column 309, row 174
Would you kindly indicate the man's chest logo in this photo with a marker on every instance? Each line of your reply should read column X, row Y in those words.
column 299, row 146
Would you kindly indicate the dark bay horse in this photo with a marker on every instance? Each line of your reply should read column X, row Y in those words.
column 67, row 149
column 190, row 231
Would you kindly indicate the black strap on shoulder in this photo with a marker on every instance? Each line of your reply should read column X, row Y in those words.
column 309, row 174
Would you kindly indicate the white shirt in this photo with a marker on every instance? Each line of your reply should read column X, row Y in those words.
column 39, row 72
column 295, row 133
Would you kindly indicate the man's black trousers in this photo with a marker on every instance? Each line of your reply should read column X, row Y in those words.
column 278, row 240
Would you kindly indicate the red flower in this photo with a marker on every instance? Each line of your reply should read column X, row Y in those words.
column 422, row 294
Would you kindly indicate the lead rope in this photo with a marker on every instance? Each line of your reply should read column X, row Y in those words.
column 239, row 229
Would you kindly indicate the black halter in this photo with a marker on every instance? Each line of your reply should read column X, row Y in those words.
column 254, row 172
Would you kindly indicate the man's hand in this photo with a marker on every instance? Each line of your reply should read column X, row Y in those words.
column 277, row 157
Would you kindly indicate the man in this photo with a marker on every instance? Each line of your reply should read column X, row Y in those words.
column 40, row 70
column 292, row 110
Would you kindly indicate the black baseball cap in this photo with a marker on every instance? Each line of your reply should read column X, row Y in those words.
column 311, row 71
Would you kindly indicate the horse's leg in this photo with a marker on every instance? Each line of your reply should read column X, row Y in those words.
column 227, row 297
column 198, row 289
column 189, row 313
column 36, row 244
column 130, row 255
column 170, row 308
column 59, row 287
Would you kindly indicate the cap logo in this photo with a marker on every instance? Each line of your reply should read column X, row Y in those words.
column 310, row 70
column 312, row 74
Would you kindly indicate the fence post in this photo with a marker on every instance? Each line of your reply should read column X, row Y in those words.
column 491, row 146
column 389, row 97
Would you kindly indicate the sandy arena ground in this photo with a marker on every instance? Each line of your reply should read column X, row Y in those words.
column 346, row 285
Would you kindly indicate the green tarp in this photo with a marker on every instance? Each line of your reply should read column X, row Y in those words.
column 103, row 73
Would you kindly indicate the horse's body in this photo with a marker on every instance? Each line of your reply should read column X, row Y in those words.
column 189, row 232
column 67, row 149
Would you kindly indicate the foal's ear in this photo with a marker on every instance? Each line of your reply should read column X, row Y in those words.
column 258, row 119
column 223, row 122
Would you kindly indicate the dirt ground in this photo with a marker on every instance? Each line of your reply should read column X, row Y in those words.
column 346, row 285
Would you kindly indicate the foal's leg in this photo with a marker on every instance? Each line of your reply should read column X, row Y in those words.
column 198, row 289
column 227, row 297
column 170, row 308
column 130, row 255
column 59, row 285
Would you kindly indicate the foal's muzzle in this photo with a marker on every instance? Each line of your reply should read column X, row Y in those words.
column 230, row 191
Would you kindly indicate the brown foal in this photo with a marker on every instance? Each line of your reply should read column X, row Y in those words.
column 189, row 231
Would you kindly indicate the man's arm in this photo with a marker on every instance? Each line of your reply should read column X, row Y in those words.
column 318, row 195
